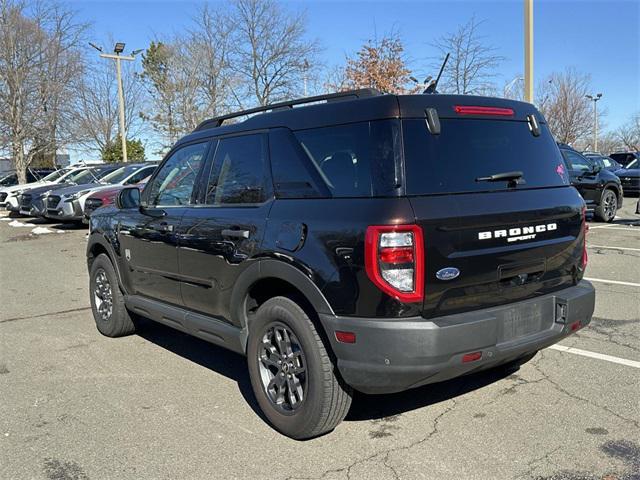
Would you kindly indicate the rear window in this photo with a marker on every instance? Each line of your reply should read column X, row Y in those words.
column 467, row 149
column 355, row 160
column 623, row 158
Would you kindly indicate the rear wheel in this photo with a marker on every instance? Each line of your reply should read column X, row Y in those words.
column 107, row 301
column 608, row 207
column 292, row 375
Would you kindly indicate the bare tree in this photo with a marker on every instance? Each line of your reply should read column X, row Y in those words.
column 609, row 142
column 96, row 106
column 38, row 60
column 629, row 133
column 209, row 44
column 379, row 64
column 473, row 63
column 561, row 99
column 270, row 53
column 189, row 76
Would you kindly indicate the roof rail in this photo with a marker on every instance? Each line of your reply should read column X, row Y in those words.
column 218, row 121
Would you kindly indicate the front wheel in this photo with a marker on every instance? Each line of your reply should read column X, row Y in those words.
column 107, row 301
column 608, row 207
column 292, row 375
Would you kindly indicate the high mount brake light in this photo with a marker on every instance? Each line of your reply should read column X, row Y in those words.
column 477, row 110
column 585, row 229
column 394, row 260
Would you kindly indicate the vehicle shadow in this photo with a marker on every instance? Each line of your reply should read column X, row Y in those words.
column 364, row 407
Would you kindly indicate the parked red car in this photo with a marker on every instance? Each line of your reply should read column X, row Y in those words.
column 106, row 197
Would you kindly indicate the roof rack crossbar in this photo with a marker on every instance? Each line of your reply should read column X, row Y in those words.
column 218, row 121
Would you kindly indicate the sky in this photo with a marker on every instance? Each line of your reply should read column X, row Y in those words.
column 597, row 37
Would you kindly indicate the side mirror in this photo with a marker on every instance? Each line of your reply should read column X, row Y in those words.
column 128, row 198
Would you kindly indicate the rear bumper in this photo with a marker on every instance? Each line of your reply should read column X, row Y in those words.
column 391, row 355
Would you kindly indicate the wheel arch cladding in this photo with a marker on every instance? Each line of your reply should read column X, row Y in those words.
column 99, row 245
column 268, row 278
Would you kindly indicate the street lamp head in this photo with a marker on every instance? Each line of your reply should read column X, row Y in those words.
column 599, row 95
column 119, row 48
column 136, row 52
column 95, row 46
column 590, row 97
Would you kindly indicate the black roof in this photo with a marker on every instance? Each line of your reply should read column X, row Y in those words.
column 354, row 106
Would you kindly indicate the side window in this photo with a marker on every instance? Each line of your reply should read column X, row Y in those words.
column 141, row 174
column 291, row 176
column 174, row 183
column 355, row 160
column 239, row 172
column 575, row 161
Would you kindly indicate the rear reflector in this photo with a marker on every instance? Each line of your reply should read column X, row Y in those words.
column 471, row 357
column 575, row 326
column 476, row 110
column 345, row 337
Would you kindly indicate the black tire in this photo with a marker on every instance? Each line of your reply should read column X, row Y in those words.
column 116, row 320
column 608, row 207
column 325, row 399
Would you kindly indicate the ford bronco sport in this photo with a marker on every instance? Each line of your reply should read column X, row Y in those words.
column 362, row 241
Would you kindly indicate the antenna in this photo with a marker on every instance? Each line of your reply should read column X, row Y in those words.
column 432, row 87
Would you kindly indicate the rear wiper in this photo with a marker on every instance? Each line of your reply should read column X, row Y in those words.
column 499, row 177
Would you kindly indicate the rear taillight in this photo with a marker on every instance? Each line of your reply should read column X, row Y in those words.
column 394, row 260
column 585, row 229
column 477, row 110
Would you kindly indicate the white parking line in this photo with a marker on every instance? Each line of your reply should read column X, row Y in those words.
column 613, row 227
column 599, row 356
column 613, row 248
column 614, row 282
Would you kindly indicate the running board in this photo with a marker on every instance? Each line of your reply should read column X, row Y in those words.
column 207, row 328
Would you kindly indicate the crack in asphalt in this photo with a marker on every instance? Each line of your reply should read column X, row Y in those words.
column 72, row 310
column 609, row 328
column 387, row 453
column 614, row 251
column 563, row 390
column 532, row 464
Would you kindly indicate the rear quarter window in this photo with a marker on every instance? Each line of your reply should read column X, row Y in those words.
column 467, row 149
column 355, row 160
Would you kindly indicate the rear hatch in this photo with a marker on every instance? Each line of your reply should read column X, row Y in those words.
column 491, row 241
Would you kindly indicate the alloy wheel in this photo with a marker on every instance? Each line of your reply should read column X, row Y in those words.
column 283, row 369
column 610, row 205
column 103, row 295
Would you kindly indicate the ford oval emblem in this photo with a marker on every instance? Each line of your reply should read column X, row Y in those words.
column 448, row 273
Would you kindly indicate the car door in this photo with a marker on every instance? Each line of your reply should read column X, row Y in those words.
column 582, row 175
column 148, row 235
column 220, row 235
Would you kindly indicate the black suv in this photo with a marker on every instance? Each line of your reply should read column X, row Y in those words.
column 600, row 188
column 363, row 241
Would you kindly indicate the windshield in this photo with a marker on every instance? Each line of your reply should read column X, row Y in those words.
column 8, row 179
column 90, row 175
column 119, row 175
column 55, row 175
column 468, row 150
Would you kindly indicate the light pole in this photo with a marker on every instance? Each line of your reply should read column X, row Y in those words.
column 594, row 99
column 528, row 51
column 118, row 49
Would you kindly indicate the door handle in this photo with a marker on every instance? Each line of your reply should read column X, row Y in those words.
column 227, row 232
column 165, row 227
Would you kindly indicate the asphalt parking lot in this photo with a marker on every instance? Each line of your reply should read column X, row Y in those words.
column 160, row 404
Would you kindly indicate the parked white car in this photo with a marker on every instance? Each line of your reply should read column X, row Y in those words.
column 9, row 195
